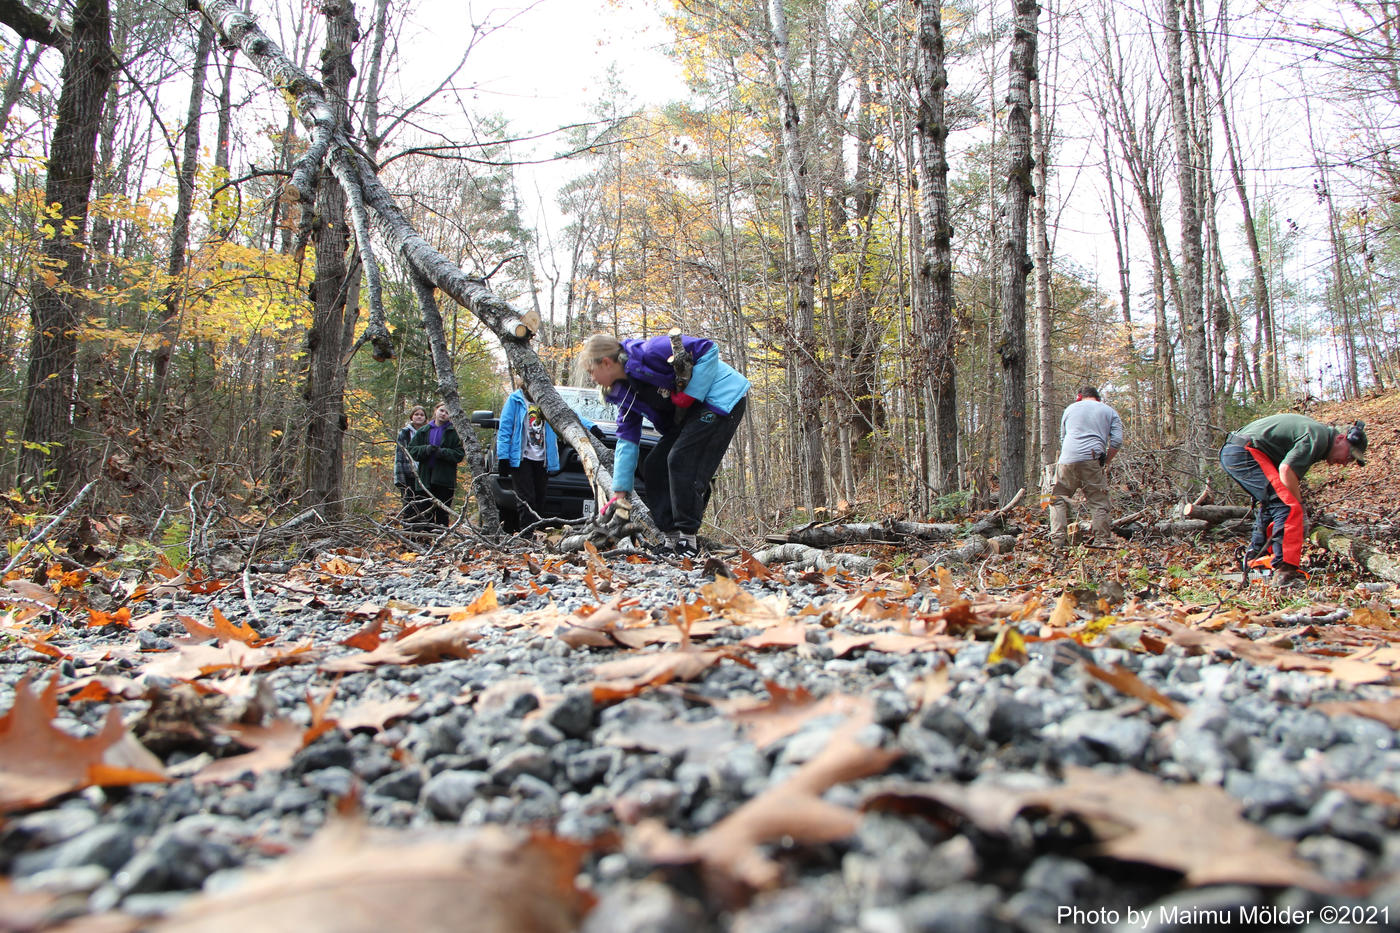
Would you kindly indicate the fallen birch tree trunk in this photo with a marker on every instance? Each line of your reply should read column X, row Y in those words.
column 810, row 558
column 861, row 532
column 889, row 532
column 1214, row 513
column 1182, row 526
column 1382, row 565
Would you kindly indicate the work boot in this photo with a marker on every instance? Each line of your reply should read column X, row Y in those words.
column 1287, row 577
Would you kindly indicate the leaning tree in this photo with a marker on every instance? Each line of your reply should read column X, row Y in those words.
column 370, row 206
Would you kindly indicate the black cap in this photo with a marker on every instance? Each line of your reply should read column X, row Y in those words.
column 1356, row 436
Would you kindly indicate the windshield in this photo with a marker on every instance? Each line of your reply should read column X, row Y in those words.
column 587, row 403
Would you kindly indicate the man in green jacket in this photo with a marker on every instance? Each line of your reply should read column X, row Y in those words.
column 1267, row 458
column 438, row 449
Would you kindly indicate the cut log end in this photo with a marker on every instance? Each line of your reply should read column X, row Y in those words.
column 525, row 327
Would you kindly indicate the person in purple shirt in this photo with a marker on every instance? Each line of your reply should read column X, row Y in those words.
column 438, row 449
column 696, row 419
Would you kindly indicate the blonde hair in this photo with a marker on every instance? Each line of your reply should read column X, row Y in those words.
column 595, row 348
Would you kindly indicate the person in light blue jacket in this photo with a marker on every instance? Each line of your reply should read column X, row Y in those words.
column 527, row 451
column 697, row 421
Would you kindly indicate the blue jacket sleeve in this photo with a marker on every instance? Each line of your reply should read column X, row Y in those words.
column 512, row 416
column 625, row 465
column 702, row 377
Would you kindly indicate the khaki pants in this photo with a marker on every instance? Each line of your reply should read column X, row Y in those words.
column 1086, row 476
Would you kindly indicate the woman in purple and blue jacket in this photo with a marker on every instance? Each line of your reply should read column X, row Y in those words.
column 696, row 423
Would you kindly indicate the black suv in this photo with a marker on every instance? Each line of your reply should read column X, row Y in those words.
column 567, row 493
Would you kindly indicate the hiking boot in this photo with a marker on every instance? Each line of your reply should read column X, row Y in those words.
column 1288, row 577
column 1059, row 541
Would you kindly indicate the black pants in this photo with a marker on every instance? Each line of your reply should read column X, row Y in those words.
column 1278, row 524
column 529, row 481
column 435, row 513
column 678, row 471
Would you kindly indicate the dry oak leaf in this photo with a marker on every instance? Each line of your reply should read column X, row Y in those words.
column 39, row 761
column 273, row 747
column 421, row 646
column 191, row 661
column 596, row 628
column 792, row 810
column 741, row 607
column 1125, row 681
column 1386, row 711
column 224, row 630
column 1063, row 613
column 1348, row 669
column 1195, row 829
column 786, row 711
column 627, row 677
column 376, row 714
column 354, row 880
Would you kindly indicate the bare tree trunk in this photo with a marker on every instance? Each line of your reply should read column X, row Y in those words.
column 934, row 272
column 809, row 392
column 174, row 301
column 327, row 342
column 1263, row 309
column 1044, row 323
column 1016, row 262
column 1116, row 212
column 1192, row 314
column 56, row 309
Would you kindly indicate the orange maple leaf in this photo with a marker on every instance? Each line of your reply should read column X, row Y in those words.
column 39, row 761
column 97, row 618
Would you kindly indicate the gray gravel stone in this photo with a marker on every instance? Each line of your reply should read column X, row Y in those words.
column 180, row 856
column 109, row 845
column 645, row 907
column 572, row 715
column 405, row 784
column 447, row 795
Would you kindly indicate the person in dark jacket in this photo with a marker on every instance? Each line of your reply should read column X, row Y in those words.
column 1268, row 457
column 695, row 402
column 528, row 452
column 438, row 449
column 405, row 470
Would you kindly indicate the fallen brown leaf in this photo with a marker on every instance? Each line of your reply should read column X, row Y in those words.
column 191, row 661
column 793, row 810
column 1195, row 829
column 38, row 761
column 786, row 711
column 741, row 607
column 626, row 677
column 376, row 714
column 1125, row 681
column 1386, row 711
column 420, row 646
column 273, row 747
column 1063, row 613
column 352, row 880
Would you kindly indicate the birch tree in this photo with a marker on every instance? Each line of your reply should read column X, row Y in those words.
column 804, row 274
column 934, row 299
column 1016, row 261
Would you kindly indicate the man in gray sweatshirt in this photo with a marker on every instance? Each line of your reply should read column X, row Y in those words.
column 1090, row 435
